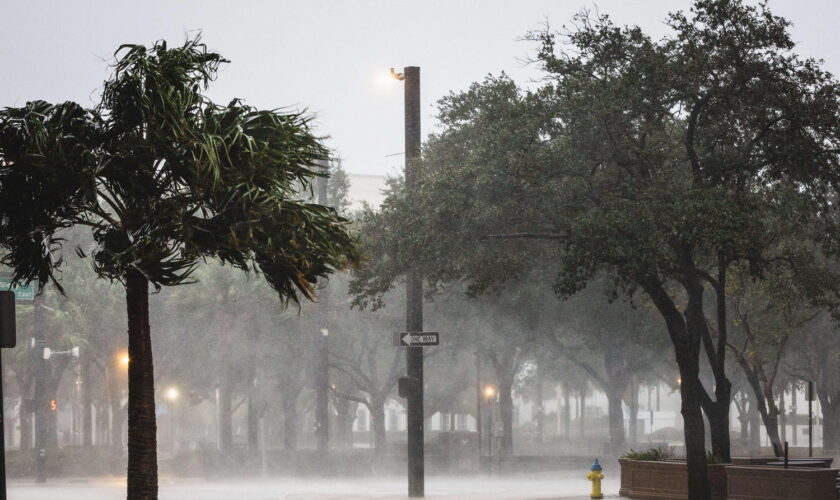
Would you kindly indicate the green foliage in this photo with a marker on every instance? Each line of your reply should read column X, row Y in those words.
column 165, row 178
column 652, row 455
column 475, row 179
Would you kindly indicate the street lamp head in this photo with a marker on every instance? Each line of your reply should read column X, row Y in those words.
column 489, row 392
column 172, row 394
column 397, row 76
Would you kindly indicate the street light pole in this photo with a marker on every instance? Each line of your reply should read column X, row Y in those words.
column 414, row 291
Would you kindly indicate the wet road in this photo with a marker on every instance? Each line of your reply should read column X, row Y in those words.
column 542, row 486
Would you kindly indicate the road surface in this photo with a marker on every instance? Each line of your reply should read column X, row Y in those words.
column 566, row 485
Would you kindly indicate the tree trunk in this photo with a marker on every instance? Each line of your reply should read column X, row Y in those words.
column 225, row 412
column 771, row 424
column 506, row 411
column 567, row 414
column 616, row 417
column 582, row 410
column 25, row 417
column 744, row 420
column 116, row 422
column 831, row 418
column 683, row 329
column 290, row 422
column 142, row 427
column 766, row 406
column 695, row 433
column 755, row 426
column 718, row 416
column 377, row 415
column 634, row 413
column 101, row 437
column 615, row 367
column 782, row 416
column 253, row 412
column 346, row 414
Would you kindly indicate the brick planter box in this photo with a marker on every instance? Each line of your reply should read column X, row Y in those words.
column 666, row 480
column 765, row 460
column 776, row 483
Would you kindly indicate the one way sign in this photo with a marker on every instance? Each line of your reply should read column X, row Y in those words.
column 418, row 339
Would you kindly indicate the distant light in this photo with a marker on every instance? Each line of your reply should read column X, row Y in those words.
column 172, row 394
column 489, row 392
column 124, row 359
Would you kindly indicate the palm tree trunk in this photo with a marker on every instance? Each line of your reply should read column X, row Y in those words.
column 142, row 427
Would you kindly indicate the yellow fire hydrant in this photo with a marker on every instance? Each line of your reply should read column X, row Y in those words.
column 595, row 475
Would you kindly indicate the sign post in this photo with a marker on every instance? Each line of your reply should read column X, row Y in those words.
column 7, row 340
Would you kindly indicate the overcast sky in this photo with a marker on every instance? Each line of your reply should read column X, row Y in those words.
column 329, row 56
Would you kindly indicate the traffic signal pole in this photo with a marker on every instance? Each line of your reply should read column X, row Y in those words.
column 40, row 403
column 414, row 295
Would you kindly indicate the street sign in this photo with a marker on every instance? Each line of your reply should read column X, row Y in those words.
column 23, row 293
column 418, row 339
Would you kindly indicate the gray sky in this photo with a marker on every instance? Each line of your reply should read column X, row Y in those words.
column 330, row 56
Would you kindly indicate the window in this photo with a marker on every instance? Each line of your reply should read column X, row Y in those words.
column 460, row 422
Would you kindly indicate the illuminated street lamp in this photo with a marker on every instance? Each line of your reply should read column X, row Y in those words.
column 489, row 392
column 123, row 359
column 172, row 394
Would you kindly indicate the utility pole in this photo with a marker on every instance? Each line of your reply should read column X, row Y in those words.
column 414, row 294
column 40, row 403
column 322, row 375
column 7, row 340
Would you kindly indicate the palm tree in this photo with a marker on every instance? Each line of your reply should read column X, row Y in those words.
column 164, row 178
